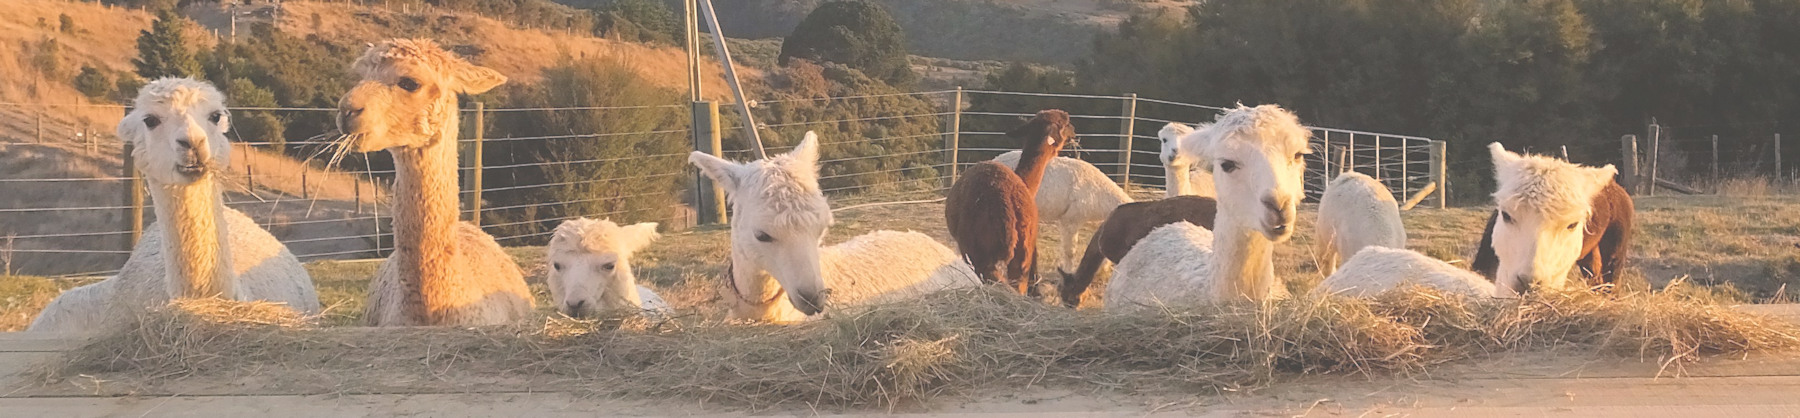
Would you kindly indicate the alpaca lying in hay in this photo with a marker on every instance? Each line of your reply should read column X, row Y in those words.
column 992, row 211
column 1356, row 212
column 1377, row 269
column 1550, row 214
column 197, row 248
column 1073, row 195
column 1261, row 154
column 1124, row 228
column 779, row 273
column 590, row 268
column 442, row 272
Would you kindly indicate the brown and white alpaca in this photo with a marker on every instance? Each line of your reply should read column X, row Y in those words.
column 992, row 211
column 1550, row 214
column 198, row 247
column 1124, row 228
column 1073, row 195
column 1259, row 155
column 442, row 272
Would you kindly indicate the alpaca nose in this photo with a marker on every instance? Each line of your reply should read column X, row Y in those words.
column 812, row 304
column 575, row 309
column 1278, row 213
column 1523, row 283
column 347, row 116
column 185, row 144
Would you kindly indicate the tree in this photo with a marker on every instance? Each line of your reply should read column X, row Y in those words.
column 65, row 24
column 93, row 83
column 163, row 50
column 855, row 33
column 254, row 125
column 638, row 20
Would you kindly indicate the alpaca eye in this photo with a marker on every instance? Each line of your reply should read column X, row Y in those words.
column 764, row 237
column 1506, row 217
column 151, row 121
column 607, row 266
column 556, row 266
column 408, row 83
column 1299, row 156
column 1573, row 225
column 216, row 115
column 1228, row 166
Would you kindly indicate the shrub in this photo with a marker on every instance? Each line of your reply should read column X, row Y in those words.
column 93, row 83
column 855, row 33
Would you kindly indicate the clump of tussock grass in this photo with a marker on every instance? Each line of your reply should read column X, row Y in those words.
column 952, row 343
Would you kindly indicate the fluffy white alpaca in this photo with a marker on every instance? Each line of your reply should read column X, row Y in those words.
column 197, row 247
column 1356, row 212
column 1073, row 195
column 1260, row 153
column 1379, row 269
column 778, row 271
column 1184, row 173
column 590, row 268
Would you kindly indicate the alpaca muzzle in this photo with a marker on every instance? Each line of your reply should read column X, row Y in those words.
column 810, row 303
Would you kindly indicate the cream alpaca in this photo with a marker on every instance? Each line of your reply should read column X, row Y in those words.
column 442, row 272
column 1378, row 269
column 198, row 247
column 1551, row 213
column 590, row 268
column 779, row 272
column 1260, row 155
column 1074, row 195
column 1356, row 212
column 1184, row 174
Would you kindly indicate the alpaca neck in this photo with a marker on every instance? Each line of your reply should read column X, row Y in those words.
column 425, row 212
column 192, row 218
column 1032, row 164
column 1244, row 260
column 1176, row 178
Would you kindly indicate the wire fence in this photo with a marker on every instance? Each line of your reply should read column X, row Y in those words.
column 70, row 211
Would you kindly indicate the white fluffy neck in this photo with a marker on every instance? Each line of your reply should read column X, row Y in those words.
column 1245, row 260
column 1175, row 177
column 192, row 218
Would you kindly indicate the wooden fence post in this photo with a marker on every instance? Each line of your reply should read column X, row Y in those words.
column 709, row 198
column 1439, row 160
column 953, row 142
column 1629, row 160
column 475, row 163
column 1715, row 158
column 1779, row 173
column 1128, row 129
column 134, row 196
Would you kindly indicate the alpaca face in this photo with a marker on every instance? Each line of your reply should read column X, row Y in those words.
column 1045, row 134
column 407, row 95
column 177, row 126
column 1543, row 208
column 1259, row 157
column 779, row 219
column 590, row 265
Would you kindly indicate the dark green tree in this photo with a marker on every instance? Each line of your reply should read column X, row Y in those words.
column 856, row 33
column 163, row 50
column 254, row 125
column 93, row 83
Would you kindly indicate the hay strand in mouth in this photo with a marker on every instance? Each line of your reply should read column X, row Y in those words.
column 950, row 343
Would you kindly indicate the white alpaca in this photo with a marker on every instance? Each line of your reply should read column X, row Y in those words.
column 1356, row 212
column 590, row 268
column 1260, row 155
column 1378, row 269
column 198, row 247
column 1184, row 173
column 1073, row 195
column 779, row 221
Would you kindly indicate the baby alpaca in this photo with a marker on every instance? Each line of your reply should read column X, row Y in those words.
column 590, row 268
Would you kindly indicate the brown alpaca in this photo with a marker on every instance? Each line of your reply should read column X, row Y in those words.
column 442, row 272
column 1605, row 244
column 1124, row 227
column 992, row 210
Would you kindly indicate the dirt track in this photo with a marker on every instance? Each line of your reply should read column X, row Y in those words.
column 1545, row 383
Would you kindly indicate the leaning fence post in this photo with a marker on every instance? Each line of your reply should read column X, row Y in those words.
column 134, row 196
column 475, row 163
column 708, row 197
column 1439, row 150
column 1128, row 129
column 953, row 142
column 1628, row 176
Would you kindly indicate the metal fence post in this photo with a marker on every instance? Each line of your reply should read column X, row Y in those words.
column 1655, row 152
column 475, row 163
column 1128, row 129
column 709, row 198
column 1715, row 158
column 1629, row 175
column 1325, row 156
column 134, row 196
column 953, row 142
column 1779, row 173
column 1439, row 152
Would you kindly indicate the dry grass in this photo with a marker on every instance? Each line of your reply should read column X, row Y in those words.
column 953, row 343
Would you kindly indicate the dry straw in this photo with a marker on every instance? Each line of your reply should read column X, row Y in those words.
column 948, row 344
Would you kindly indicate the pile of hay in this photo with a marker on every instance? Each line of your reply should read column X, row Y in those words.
column 951, row 343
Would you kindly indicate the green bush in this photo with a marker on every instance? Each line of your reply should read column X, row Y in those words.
column 93, row 83
column 855, row 33
column 164, row 50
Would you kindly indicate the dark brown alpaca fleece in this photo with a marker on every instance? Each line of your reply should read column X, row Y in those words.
column 1605, row 244
column 991, row 211
column 1126, row 225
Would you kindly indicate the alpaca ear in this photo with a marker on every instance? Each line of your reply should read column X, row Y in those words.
column 131, row 129
column 1500, row 154
column 718, row 169
column 1603, row 176
column 475, row 79
column 808, row 150
column 636, row 237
